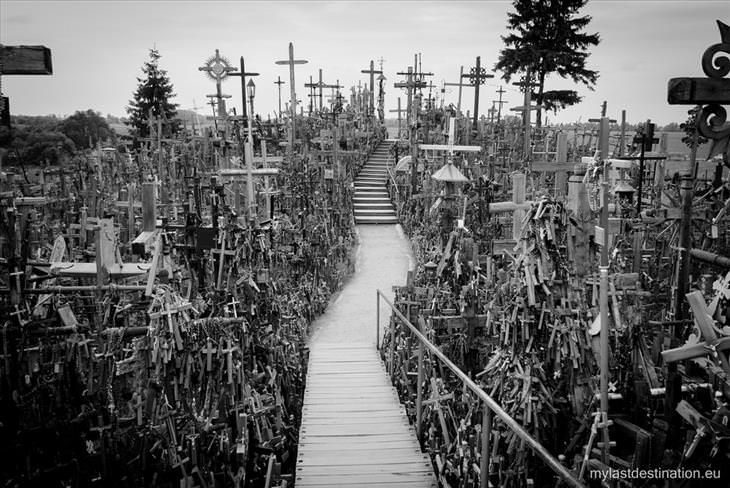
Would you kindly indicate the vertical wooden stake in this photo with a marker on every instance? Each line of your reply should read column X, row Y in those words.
column 377, row 320
column 486, row 433
column 391, row 352
column 419, row 390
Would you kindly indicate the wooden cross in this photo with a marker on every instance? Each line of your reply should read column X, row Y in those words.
column 460, row 84
column 209, row 350
column 372, row 72
column 229, row 359
column 517, row 206
column 243, row 74
column 477, row 76
column 399, row 111
column 293, row 102
column 435, row 399
column 21, row 60
column 450, row 147
column 527, row 85
column 279, row 83
column 499, row 103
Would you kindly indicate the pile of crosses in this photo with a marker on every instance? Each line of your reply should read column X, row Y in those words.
column 586, row 289
column 156, row 301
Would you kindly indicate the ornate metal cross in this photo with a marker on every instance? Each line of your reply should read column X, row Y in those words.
column 476, row 76
column 712, row 93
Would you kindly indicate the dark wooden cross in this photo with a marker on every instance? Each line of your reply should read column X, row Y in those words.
column 527, row 85
column 293, row 102
column 21, row 60
column 243, row 74
column 476, row 76
column 279, row 83
column 711, row 92
column 499, row 103
column 372, row 72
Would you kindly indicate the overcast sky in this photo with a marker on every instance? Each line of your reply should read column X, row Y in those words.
column 98, row 48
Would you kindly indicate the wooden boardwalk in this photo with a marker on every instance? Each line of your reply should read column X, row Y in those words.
column 354, row 431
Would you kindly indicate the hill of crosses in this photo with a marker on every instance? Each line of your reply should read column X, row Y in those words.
column 338, row 294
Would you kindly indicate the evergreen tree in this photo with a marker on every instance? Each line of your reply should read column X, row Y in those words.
column 547, row 37
column 152, row 96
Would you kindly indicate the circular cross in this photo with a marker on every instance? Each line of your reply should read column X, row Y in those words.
column 217, row 67
column 477, row 76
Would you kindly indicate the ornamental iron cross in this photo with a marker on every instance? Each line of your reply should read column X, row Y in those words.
column 711, row 92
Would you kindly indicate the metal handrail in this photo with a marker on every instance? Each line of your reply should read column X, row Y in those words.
column 490, row 404
column 392, row 177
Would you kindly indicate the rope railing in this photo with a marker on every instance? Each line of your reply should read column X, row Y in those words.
column 490, row 405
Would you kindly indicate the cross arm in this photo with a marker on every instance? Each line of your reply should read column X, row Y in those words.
column 695, row 91
column 25, row 60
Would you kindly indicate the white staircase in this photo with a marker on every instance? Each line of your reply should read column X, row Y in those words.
column 372, row 202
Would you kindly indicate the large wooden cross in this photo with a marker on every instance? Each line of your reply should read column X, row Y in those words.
column 460, row 84
column 499, row 103
column 526, row 108
column 243, row 74
column 450, row 147
column 372, row 72
column 712, row 92
column 477, row 76
column 293, row 102
column 517, row 206
column 21, row 60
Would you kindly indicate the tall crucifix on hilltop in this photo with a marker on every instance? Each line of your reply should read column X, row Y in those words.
column 477, row 76
column 526, row 108
column 293, row 103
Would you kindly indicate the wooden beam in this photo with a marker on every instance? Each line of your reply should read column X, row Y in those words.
column 696, row 91
column 25, row 60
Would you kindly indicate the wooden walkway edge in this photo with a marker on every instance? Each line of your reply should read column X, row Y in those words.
column 354, row 431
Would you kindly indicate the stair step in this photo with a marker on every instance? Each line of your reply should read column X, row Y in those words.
column 376, row 220
column 373, row 204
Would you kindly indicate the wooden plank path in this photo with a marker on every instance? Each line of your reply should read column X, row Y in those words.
column 354, row 431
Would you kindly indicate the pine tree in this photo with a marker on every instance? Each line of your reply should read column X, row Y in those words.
column 547, row 37
column 152, row 96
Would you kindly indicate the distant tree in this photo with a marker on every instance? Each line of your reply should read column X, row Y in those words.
column 153, row 95
column 672, row 127
column 34, row 141
column 547, row 37
column 86, row 129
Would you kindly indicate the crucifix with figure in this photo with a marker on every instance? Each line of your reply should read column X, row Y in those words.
column 476, row 76
column 293, row 102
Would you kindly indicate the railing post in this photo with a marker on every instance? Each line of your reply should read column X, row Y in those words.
column 486, row 433
column 377, row 320
column 391, row 351
column 419, row 390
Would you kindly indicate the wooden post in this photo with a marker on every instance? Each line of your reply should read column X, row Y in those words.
column 149, row 207
column 391, row 350
column 484, row 459
column 419, row 390
column 622, row 138
column 377, row 320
